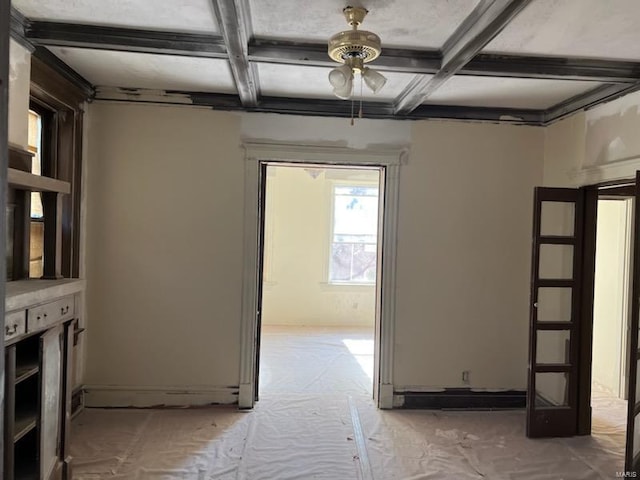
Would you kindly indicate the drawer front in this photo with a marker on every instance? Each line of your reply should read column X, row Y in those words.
column 50, row 313
column 15, row 324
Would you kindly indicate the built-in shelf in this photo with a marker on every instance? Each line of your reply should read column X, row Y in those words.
column 27, row 370
column 36, row 183
column 25, row 422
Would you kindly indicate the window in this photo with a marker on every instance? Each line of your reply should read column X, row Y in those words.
column 354, row 234
column 36, row 239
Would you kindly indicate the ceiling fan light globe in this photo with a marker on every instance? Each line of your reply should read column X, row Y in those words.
column 345, row 92
column 374, row 80
column 340, row 77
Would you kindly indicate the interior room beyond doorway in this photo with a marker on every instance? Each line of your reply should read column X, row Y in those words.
column 320, row 270
column 610, row 318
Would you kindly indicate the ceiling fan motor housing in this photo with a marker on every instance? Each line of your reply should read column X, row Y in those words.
column 354, row 44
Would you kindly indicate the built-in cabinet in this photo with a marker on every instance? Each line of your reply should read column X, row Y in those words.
column 40, row 323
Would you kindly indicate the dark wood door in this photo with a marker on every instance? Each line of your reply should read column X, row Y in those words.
column 632, row 456
column 552, row 396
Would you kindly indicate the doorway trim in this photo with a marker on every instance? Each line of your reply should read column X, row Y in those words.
column 257, row 153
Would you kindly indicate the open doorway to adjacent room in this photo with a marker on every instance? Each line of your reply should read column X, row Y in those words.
column 320, row 279
column 611, row 315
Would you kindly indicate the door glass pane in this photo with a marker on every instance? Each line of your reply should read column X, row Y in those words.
column 554, row 304
column 557, row 219
column 552, row 346
column 556, row 262
column 551, row 389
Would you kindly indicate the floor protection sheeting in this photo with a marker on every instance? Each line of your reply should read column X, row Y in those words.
column 315, row 420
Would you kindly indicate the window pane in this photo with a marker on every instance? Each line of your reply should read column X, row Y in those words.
column 551, row 389
column 355, row 214
column 557, row 219
column 355, row 232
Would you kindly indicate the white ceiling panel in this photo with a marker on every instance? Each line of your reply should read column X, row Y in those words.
column 580, row 28
column 174, row 15
column 142, row 70
column 423, row 24
column 313, row 82
column 507, row 92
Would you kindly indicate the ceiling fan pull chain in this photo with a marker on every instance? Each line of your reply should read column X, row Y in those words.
column 361, row 81
column 352, row 100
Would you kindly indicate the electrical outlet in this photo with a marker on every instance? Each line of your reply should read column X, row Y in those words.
column 465, row 377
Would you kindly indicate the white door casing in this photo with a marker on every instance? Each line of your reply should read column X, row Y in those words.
column 255, row 154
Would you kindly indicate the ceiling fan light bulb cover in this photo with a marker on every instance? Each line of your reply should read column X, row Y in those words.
column 344, row 93
column 339, row 77
column 374, row 80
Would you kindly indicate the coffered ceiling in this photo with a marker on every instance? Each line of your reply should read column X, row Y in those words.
column 517, row 61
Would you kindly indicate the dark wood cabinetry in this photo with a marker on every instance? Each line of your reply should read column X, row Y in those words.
column 39, row 360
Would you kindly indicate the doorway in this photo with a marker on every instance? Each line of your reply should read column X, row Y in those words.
column 320, row 279
column 258, row 156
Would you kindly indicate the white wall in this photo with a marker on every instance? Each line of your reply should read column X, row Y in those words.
column 608, row 306
column 464, row 246
column 598, row 145
column 19, row 84
column 164, row 256
column 165, row 235
column 297, row 235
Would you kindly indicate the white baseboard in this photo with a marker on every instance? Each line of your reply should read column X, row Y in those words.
column 158, row 396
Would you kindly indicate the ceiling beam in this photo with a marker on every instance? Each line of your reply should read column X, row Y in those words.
column 315, row 54
column 554, row 68
column 234, row 24
column 55, row 34
column 476, row 31
column 589, row 99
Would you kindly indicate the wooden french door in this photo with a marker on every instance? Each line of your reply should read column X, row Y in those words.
column 552, row 395
column 632, row 455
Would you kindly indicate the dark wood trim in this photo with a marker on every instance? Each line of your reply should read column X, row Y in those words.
column 64, row 101
column 21, row 180
column 464, row 398
column 552, row 68
column 476, row 31
column 58, row 34
column 18, row 29
column 5, row 14
column 233, row 20
column 20, row 159
column 69, row 86
column 52, row 207
column 585, row 332
column 590, row 99
column 618, row 190
column 67, row 395
column 315, row 55
column 632, row 401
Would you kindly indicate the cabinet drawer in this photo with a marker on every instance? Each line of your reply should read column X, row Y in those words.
column 15, row 324
column 53, row 312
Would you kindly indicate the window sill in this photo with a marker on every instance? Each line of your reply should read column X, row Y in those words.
column 346, row 287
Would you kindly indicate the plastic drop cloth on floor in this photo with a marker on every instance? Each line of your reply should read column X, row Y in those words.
column 315, row 420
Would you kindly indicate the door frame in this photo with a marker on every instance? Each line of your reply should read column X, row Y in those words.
column 5, row 10
column 593, row 192
column 257, row 154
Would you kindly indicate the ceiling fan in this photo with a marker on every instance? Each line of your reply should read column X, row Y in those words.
column 353, row 48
